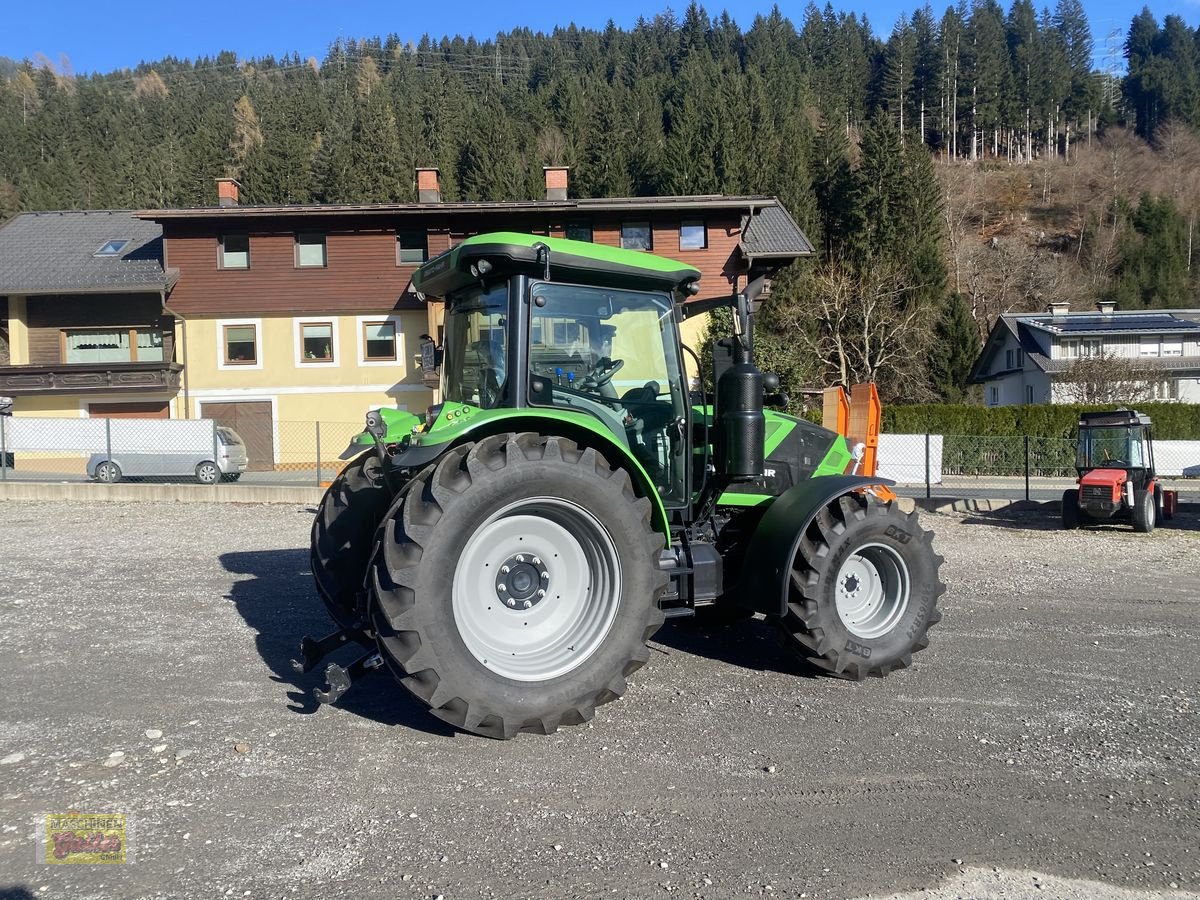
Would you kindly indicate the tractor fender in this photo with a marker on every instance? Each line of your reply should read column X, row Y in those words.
column 573, row 426
column 767, row 565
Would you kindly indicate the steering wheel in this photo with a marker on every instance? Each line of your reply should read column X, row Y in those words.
column 603, row 371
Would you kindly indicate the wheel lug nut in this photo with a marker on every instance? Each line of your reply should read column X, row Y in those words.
column 536, row 561
column 504, row 570
column 541, row 594
column 502, row 587
column 545, row 576
column 519, row 558
column 527, row 604
column 510, row 601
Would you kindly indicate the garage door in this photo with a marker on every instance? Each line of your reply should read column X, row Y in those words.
column 251, row 420
column 156, row 410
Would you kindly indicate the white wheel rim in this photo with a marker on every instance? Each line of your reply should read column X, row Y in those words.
column 873, row 588
column 557, row 602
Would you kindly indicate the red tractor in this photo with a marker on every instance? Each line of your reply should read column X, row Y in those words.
column 1115, row 462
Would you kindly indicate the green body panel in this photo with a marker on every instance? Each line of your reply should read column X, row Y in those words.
column 459, row 422
column 508, row 252
column 836, row 461
column 399, row 422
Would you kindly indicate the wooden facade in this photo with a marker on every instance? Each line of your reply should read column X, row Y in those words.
column 50, row 318
column 363, row 271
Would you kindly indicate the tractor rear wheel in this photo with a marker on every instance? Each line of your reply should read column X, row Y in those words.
column 343, row 535
column 516, row 584
column 864, row 589
column 1144, row 512
column 1070, row 509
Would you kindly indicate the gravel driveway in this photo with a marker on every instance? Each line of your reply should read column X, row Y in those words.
column 1047, row 744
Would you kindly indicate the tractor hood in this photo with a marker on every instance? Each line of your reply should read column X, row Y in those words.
column 1112, row 478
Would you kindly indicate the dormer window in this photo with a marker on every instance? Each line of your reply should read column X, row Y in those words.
column 112, row 248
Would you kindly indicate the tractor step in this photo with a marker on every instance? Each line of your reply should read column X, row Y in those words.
column 313, row 651
column 342, row 678
column 678, row 612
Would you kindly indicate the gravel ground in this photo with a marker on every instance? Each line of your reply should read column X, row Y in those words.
column 1046, row 745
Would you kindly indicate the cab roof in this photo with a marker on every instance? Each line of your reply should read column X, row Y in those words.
column 505, row 253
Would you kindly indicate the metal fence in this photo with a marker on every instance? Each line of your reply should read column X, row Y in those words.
column 307, row 453
column 174, row 450
column 1011, row 467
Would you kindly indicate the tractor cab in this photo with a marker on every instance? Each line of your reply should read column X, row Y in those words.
column 531, row 324
column 1115, row 463
column 1116, row 441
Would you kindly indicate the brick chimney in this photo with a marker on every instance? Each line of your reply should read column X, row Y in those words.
column 556, row 182
column 1059, row 308
column 228, row 191
column 429, row 186
column 1106, row 307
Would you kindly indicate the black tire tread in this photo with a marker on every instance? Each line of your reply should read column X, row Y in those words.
column 801, row 623
column 343, row 536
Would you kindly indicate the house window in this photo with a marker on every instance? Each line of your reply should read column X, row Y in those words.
column 111, row 248
column 579, row 231
column 1090, row 347
column 1148, row 346
column 310, row 251
column 566, row 333
column 241, row 345
column 993, row 396
column 1070, row 349
column 1172, row 348
column 316, row 342
column 379, row 341
column 1166, row 390
column 693, row 235
column 1009, row 356
column 235, row 251
column 112, row 345
column 636, row 236
column 1029, row 393
column 412, row 248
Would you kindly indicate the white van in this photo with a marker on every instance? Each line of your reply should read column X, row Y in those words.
column 198, row 463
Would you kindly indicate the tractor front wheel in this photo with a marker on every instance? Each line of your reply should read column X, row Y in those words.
column 1144, row 512
column 863, row 589
column 1070, row 509
column 516, row 584
column 343, row 535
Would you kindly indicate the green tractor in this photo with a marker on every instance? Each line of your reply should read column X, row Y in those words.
column 508, row 556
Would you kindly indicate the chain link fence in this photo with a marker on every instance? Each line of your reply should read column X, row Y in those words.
column 307, row 453
column 1013, row 467
column 172, row 450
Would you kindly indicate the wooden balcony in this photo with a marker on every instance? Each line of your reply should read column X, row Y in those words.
column 90, row 378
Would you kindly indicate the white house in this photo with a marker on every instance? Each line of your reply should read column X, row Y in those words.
column 1027, row 355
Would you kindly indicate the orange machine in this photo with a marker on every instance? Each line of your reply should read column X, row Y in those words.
column 857, row 418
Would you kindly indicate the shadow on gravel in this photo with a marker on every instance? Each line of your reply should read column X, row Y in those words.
column 1018, row 521
column 15, row 893
column 748, row 643
column 280, row 603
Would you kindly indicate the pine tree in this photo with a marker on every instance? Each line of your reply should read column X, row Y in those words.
column 953, row 351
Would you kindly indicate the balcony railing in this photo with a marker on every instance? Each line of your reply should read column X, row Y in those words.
column 86, row 378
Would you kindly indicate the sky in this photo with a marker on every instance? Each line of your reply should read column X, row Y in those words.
column 101, row 37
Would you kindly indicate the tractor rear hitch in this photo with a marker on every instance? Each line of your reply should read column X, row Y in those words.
column 313, row 651
column 341, row 678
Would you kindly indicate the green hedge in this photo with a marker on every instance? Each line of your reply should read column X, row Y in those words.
column 1172, row 421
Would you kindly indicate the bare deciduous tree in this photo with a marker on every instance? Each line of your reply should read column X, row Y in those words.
column 864, row 327
column 1105, row 379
